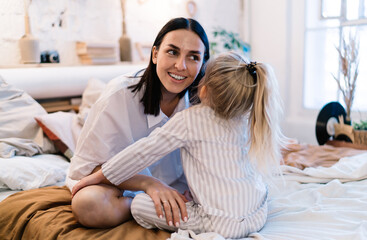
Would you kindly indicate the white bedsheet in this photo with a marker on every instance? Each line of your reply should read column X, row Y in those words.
column 5, row 192
column 317, row 211
column 322, row 208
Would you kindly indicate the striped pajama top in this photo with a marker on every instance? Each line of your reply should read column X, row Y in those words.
column 214, row 157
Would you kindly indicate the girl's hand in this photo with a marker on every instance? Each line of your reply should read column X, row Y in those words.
column 170, row 199
column 93, row 179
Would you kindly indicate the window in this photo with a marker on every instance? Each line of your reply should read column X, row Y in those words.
column 326, row 23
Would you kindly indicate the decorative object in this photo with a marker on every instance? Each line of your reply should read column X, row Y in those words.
column 28, row 44
column 362, row 125
column 227, row 40
column 348, row 58
column 360, row 132
column 343, row 131
column 124, row 41
column 97, row 52
column 144, row 50
column 331, row 114
column 191, row 8
column 50, row 57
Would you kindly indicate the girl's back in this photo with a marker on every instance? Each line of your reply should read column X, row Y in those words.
column 216, row 165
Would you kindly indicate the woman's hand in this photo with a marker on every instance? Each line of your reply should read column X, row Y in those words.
column 93, row 179
column 172, row 201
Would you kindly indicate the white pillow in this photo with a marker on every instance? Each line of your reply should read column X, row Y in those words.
column 17, row 122
column 90, row 95
column 62, row 128
column 24, row 173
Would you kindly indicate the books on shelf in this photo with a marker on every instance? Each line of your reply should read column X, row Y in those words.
column 98, row 60
column 97, row 52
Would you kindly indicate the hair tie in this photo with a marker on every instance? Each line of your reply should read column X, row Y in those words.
column 251, row 67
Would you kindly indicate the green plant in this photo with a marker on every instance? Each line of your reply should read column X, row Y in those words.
column 362, row 125
column 227, row 40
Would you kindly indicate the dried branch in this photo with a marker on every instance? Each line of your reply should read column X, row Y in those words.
column 349, row 62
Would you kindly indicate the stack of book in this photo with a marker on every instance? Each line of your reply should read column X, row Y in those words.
column 97, row 52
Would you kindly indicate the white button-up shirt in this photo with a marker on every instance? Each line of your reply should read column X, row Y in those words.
column 215, row 160
column 116, row 121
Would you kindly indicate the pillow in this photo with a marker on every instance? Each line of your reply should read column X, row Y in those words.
column 17, row 122
column 63, row 129
column 90, row 95
column 24, row 173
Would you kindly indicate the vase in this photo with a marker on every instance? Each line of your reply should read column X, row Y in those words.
column 29, row 49
column 125, row 48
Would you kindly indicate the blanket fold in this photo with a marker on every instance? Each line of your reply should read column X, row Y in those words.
column 46, row 214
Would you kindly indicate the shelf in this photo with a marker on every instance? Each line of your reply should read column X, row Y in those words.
column 48, row 65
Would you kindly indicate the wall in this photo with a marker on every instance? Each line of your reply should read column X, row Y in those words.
column 277, row 37
column 100, row 20
column 273, row 28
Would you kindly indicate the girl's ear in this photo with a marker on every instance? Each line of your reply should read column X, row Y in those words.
column 154, row 54
column 202, row 92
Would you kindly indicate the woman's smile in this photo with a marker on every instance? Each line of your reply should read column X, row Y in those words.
column 177, row 77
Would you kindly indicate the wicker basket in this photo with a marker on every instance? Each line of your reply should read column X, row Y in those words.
column 360, row 137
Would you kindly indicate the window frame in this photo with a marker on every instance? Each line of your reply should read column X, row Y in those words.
column 339, row 24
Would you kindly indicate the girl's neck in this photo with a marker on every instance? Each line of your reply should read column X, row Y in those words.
column 169, row 103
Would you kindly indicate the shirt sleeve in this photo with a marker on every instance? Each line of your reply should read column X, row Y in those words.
column 106, row 131
column 146, row 151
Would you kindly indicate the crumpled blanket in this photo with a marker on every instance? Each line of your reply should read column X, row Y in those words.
column 303, row 156
column 45, row 213
column 10, row 147
column 190, row 235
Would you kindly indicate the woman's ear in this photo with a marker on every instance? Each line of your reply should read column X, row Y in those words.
column 154, row 54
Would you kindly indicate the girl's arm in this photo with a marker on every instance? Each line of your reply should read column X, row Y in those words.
column 129, row 162
column 146, row 151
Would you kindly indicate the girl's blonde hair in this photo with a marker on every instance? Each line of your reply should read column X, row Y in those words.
column 238, row 88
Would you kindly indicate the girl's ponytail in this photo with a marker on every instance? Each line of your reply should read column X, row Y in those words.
column 265, row 137
column 237, row 88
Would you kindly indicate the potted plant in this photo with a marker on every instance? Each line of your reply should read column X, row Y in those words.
column 360, row 132
column 227, row 40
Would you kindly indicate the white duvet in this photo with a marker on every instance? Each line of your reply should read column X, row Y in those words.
column 25, row 173
column 314, row 203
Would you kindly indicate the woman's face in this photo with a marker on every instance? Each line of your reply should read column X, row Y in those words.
column 178, row 60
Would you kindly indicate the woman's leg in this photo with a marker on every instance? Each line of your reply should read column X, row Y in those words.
column 101, row 206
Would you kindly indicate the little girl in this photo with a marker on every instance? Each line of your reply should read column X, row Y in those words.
column 228, row 144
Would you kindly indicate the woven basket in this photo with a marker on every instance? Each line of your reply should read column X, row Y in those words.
column 360, row 137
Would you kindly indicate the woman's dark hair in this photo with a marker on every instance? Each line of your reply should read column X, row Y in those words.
column 150, row 82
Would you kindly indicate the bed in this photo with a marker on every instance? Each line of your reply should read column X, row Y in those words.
column 321, row 195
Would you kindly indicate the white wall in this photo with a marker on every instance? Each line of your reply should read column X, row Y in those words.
column 274, row 29
column 100, row 20
column 276, row 37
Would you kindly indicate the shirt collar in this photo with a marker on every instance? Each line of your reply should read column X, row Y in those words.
column 182, row 104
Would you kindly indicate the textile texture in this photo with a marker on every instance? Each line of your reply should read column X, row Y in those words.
column 46, row 214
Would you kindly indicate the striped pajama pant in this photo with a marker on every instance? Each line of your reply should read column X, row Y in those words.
column 143, row 211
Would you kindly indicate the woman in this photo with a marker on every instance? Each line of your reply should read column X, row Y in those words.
column 131, row 108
